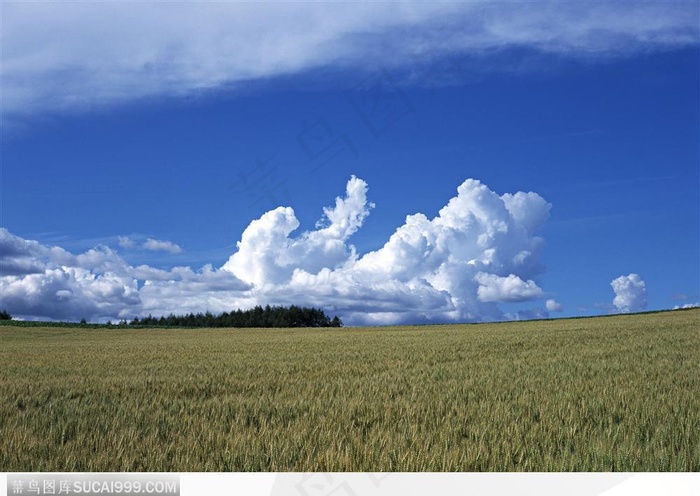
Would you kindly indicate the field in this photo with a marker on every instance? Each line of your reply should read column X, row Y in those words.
column 597, row 394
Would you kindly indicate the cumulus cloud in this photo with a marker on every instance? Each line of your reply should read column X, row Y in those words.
column 686, row 306
column 480, row 251
column 20, row 257
column 511, row 288
column 630, row 293
column 60, row 56
column 41, row 282
column 268, row 256
column 159, row 245
column 126, row 242
column 150, row 244
column 553, row 306
column 183, row 290
column 69, row 287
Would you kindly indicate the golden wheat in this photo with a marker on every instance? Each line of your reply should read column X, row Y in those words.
column 616, row 393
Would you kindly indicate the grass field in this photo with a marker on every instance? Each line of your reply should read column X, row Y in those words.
column 597, row 394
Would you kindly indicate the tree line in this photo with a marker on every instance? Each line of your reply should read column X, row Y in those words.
column 277, row 316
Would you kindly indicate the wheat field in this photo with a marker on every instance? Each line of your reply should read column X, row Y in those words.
column 596, row 394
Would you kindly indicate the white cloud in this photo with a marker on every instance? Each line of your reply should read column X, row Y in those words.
column 20, row 257
column 158, row 245
column 70, row 293
column 686, row 305
column 456, row 266
column 67, row 56
column 479, row 251
column 630, row 293
column 511, row 288
column 126, row 242
column 553, row 306
column 532, row 314
column 266, row 254
column 150, row 244
column 182, row 290
column 50, row 283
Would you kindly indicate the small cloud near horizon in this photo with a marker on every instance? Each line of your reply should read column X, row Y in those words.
column 553, row 306
column 630, row 293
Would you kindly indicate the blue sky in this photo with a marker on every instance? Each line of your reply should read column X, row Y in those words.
column 142, row 173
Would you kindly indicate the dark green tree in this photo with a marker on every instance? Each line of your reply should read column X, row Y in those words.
column 269, row 316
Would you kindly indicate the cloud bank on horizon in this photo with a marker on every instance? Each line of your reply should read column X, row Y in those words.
column 480, row 251
column 60, row 57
